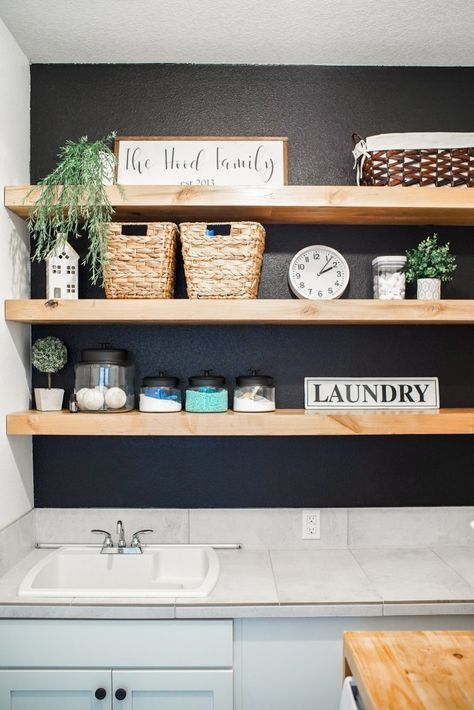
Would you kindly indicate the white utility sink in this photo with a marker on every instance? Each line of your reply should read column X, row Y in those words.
column 168, row 571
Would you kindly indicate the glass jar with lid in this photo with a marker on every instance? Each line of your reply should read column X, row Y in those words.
column 206, row 393
column 104, row 380
column 389, row 277
column 254, row 393
column 160, row 394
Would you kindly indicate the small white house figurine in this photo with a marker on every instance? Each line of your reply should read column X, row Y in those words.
column 62, row 273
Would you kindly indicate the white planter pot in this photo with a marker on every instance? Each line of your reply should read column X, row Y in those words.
column 49, row 400
column 428, row 289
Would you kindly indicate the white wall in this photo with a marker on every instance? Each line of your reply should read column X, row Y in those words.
column 16, row 480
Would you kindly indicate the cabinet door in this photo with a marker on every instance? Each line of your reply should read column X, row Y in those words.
column 55, row 690
column 172, row 690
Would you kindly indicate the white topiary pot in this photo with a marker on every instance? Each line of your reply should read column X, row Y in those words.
column 428, row 289
column 49, row 400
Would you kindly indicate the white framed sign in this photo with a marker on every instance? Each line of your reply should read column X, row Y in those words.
column 168, row 160
column 338, row 393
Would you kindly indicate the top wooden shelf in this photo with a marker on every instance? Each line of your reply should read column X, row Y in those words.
column 291, row 204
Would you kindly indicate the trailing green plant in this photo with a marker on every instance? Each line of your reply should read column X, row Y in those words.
column 430, row 261
column 75, row 192
column 49, row 355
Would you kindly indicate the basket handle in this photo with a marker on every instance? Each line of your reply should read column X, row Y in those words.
column 134, row 229
column 210, row 225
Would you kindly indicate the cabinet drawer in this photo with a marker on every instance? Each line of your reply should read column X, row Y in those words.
column 117, row 644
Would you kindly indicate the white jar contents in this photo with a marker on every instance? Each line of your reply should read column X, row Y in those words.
column 115, row 398
column 93, row 399
column 389, row 278
column 152, row 404
column 256, row 404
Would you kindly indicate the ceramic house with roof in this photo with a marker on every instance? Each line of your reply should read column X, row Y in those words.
column 62, row 277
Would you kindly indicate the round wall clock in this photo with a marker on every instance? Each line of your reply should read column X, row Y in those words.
column 318, row 272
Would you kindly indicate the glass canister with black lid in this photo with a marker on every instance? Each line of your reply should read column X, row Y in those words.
column 104, row 380
column 160, row 393
column 254, row 393
column 206, row 393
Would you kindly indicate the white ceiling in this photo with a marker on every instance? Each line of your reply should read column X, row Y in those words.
column 351, row 32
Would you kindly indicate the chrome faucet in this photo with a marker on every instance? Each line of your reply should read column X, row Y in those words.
column 108, row 547
column 120, row 530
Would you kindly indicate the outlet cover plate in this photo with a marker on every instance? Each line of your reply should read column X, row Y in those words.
column 311, row 525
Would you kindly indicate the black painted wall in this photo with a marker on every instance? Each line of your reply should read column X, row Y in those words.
column 317, row 108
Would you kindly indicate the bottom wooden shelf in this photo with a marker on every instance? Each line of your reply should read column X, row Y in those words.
column 283, row 422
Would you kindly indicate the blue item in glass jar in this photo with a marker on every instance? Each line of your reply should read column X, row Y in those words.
column 160, row 393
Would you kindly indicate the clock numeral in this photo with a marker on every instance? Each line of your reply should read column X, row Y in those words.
column 320, row 294
column 337, row 283
column 301, row 284
column 301, row 266
column 310, row 291
column 334, row 263
column 316, row 255
column 330, row 291
column 306, row 259
column 338, row 273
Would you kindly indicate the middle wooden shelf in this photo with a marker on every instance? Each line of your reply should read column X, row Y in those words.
column 283, row 422
column 228, row 312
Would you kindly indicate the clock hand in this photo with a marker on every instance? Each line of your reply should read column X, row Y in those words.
column 322, row 270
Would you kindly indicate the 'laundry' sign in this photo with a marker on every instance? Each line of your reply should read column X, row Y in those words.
column 201, row 161
column 371, row 393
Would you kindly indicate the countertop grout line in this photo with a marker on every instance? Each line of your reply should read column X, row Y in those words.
column 370, row 581
column 277, row 593
column 448, row 564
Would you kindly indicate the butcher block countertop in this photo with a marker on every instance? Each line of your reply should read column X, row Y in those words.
column 412, row 669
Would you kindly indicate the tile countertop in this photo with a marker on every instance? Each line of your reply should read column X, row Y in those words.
column 287, row 583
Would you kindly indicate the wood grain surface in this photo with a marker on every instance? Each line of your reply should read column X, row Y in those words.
column 412, row 670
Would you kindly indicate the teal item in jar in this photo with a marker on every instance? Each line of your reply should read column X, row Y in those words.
column 206, row 393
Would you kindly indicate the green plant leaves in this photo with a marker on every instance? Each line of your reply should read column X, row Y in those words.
column 49, row 354
column 430, row 261
column 74, row 192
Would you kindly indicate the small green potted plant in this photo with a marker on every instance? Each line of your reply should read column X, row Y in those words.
column 430, row 264
column 75, row 192
column 49, row 355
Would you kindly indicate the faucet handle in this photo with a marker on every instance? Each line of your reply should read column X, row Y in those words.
column 136, row 542
column 108, row 542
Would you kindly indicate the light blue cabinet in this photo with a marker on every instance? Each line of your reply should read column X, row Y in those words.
column 55, row 689
column 116, row 665
column 173, row 690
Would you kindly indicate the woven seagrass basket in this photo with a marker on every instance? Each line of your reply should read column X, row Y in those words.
column 224, row 265
column 415, row 159
column 141, row 260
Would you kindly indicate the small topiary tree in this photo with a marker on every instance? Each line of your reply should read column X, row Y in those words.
column 49, row 355
column 430, row 261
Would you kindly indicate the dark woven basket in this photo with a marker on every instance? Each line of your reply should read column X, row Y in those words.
column 423, row 167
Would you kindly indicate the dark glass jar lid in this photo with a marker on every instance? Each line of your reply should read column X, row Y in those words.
column 254, row 381
column 115, row 356
column 207, row 380
column 160, row 380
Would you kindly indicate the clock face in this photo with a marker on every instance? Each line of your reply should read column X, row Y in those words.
column 318, row 272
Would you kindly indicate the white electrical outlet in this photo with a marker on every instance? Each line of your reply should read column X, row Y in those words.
column 311, row 525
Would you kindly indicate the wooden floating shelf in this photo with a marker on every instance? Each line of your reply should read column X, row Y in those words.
column 259, row 311
column 283, row 422
column 291, row 204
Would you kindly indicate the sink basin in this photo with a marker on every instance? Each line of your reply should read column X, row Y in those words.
column 168, row 571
